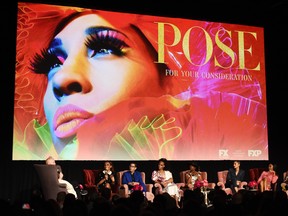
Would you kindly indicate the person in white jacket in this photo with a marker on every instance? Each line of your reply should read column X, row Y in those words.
column 69, row 187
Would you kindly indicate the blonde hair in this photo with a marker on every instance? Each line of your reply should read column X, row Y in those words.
column 50, row 158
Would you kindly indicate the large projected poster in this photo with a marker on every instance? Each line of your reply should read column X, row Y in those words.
column 99, row 85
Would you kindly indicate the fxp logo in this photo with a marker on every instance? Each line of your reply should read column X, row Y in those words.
column 254, row 153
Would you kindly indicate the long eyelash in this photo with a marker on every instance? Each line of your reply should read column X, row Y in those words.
column 43, row 62
column 108, row 41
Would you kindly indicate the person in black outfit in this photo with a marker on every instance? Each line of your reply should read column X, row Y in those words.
column 234, row 177
column 106, row 178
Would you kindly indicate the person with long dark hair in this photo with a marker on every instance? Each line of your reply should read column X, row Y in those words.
column 192, row 175
column 106, row 178
column 268, row 179
column 163, row 179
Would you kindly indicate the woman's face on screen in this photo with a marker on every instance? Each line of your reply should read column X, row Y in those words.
column 92, row 66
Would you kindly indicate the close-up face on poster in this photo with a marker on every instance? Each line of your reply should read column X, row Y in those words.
column 100, row 85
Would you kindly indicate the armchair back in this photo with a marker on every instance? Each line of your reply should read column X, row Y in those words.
column 48, row 178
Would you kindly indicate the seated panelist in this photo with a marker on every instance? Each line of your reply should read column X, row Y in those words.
column 192, row 175
column 133, row 178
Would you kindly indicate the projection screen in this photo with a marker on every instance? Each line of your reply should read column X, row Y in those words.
column 102, row 85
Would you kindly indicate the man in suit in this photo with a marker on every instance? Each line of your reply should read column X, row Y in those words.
column 133, row 178
column 234, row 177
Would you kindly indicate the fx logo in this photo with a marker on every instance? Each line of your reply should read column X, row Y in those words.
column 223, row 153
column 254, row 153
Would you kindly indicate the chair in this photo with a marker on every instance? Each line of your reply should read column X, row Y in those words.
column 90, row 176
column 48, row 177
column 123, row 188
column 285, row 175
column 284, row 183
column 204, row 176
column 222, row 176
column 255, row 173
column 90, row 181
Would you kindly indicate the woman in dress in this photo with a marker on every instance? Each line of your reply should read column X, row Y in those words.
column 106, row 178
column 268, row 179
column 163, row 179
column 192, row 175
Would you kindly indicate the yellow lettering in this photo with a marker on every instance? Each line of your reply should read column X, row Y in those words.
column 164, row 28
column 226, row 49
column 242, row 50
column 161, row 39
column 209, row 46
